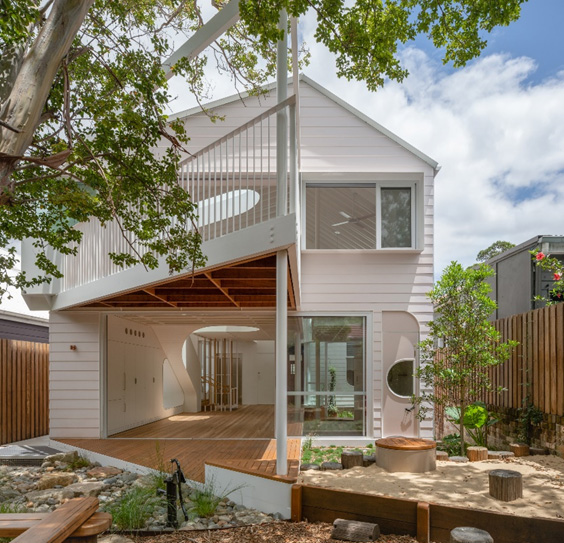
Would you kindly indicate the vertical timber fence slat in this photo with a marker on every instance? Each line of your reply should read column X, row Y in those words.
column 24, row 390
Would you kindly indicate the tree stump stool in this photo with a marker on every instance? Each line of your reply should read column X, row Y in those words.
column 368, row 460
column 467, row 534
column 329, row 466
column 407, row 454
column 351, row 459
column 505, row 484
column 354, row 530
column 442, row 455
column 476, row 454
column 519, row 449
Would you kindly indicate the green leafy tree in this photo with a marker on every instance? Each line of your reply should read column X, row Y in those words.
column 494, row 249
column 462, row 344
column 83, row 98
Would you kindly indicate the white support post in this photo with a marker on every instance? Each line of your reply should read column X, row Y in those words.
column 282, row 120
column 281, row 408
column 281, row 417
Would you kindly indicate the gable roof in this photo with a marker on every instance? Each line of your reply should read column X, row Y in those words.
column 339, row 101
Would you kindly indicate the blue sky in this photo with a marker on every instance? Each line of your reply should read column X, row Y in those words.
column 537, row 34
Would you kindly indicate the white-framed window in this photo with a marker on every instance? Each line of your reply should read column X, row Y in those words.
column 367, row 215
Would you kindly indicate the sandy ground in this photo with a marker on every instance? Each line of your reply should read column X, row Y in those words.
column 460, row 484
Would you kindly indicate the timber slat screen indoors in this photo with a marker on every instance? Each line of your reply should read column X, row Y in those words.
column 427, row 522
column 536, row 366
column 24, row 390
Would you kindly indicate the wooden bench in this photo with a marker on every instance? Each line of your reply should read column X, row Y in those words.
column 407, row 454
column 76, row 521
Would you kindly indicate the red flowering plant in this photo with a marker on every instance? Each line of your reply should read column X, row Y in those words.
column 555, row 266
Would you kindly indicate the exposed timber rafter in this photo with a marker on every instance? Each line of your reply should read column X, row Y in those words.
column 152, row 292
column 223, row 290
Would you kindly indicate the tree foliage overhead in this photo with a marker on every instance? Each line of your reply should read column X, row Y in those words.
column 462, row 344
column 494, row 249
column 83, row 103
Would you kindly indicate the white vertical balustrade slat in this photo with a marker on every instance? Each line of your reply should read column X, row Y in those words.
column 232, row 181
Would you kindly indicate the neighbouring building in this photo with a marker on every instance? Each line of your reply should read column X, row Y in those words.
column 518, row 280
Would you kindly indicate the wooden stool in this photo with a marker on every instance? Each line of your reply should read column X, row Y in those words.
column 407, row 454
column 505, row 484
column 476, row 454
column 351, row 459
column 442, row 455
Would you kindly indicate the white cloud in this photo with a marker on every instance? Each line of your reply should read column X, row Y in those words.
column 498, row 138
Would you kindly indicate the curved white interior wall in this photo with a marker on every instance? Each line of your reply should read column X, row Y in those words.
column 134, row 376
column 173, row 396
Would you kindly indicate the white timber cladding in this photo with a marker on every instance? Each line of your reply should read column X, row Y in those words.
column 74, row 375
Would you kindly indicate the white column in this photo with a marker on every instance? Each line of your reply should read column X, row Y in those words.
column 281, row 407
column 281, row 417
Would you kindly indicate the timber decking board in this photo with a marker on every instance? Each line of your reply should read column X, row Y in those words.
column 250, row 421
column 194, row 453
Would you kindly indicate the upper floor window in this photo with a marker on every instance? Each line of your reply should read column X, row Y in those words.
column 360, row 216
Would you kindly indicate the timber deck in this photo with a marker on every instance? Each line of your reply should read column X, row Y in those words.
column 241, row 440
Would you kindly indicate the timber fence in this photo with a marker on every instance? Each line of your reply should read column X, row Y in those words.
column 24, row 390
column 535, row 369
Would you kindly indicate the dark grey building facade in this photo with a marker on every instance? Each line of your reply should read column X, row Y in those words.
column 518, row 280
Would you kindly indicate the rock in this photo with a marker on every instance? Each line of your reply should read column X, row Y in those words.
column 329, row 466
column 103, row 472
column 7, row 494
column 309, row 467
column 467, row 534
column 128, row 477
column 67, row 457
column 114, row 538
column 51, row 480
column 41, row 496
column 86, row 489
column 459, row 459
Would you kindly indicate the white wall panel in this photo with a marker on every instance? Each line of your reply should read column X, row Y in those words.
column 74, row 375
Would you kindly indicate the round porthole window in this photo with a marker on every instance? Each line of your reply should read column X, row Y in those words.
column 400, row 378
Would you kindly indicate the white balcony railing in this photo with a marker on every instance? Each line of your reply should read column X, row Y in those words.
column 233, row 181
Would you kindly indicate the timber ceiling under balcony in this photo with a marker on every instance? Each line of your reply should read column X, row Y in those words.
column 249, row 284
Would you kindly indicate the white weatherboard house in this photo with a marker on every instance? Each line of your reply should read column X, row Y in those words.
column 311, row 303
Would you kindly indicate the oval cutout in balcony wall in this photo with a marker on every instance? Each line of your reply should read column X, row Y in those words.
column 173, row 395
column 227, row 205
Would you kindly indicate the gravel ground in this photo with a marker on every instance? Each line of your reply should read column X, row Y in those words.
column 275, row 532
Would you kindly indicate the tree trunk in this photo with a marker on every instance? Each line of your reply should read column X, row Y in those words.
column 462, row 433
column 29, row 86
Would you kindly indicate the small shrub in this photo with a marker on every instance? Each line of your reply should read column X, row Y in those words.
column 205, row 500
column 10, row 507
column 133, row 510
column 78, row 463
column 450, row 444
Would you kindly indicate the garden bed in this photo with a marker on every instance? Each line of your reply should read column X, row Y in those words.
column 459, row 484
